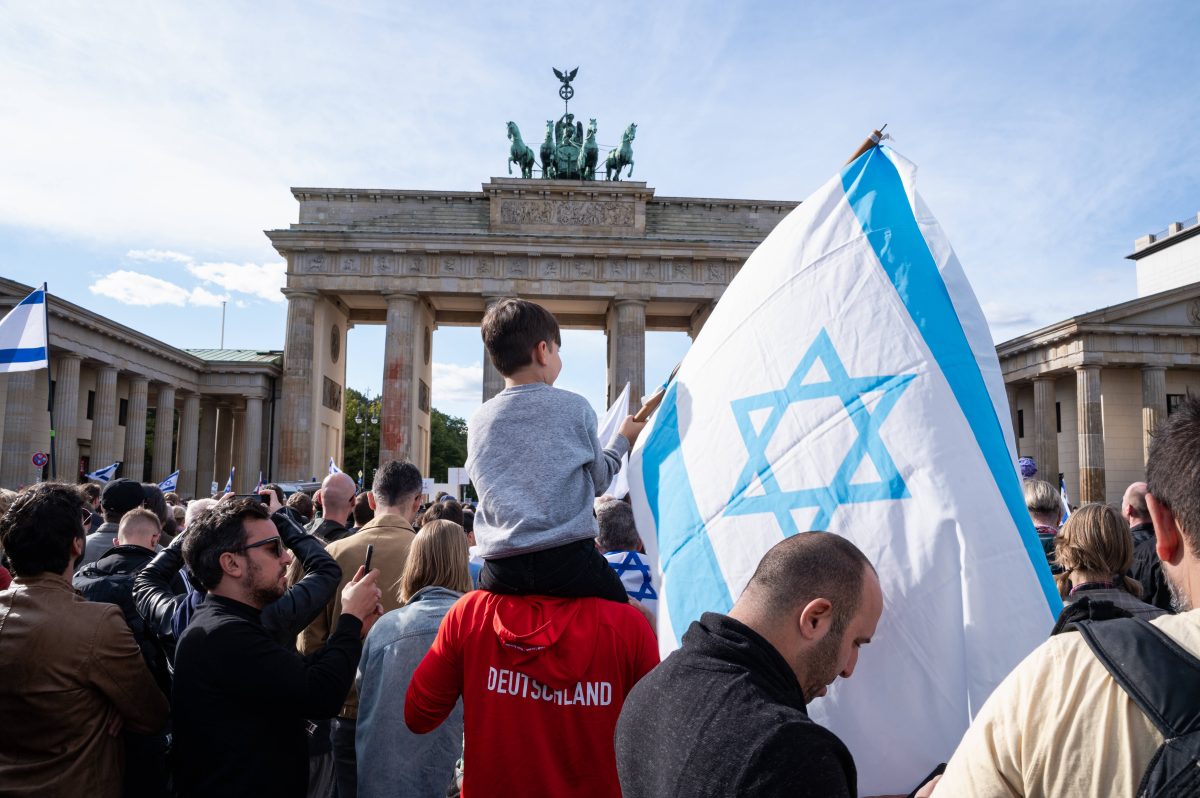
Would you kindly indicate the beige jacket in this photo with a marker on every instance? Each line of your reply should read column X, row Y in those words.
column 392, row 537
column 68, row 668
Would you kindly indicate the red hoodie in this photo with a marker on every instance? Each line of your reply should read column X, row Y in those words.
column 542, row 681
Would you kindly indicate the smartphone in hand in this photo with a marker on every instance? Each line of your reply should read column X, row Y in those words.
column 367, row 561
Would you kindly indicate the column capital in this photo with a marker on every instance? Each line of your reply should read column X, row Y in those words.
column 621, row 300
column 60, row 356
column 134, row 377
column 401, row 296
column 1043, row 378
column 1087, row 367
column 1151, row 368
column 299, row 293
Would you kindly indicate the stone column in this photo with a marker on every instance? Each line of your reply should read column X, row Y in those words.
column 104, row 420
column 1011, row 392
column 1091, row 435
column 493, row 380
column 699, row 317
column 239, row 449
column 251, row 451
column 135, row 429
column 299, row 388
column 1154, row 403
column 164, row 433
column 16, row 468
column 628, row 330
column 66, row 416
column 1045, row 429
column 224, row 451
column 400, row 347
column 206, row 449
column 189, row 432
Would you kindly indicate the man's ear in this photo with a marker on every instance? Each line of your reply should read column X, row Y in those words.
column 371, row 500
column 1168, row 539
column 77, row 547
column 230, row 565
column 815, row 619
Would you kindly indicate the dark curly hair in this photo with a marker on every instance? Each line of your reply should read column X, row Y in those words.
column 221, row 529
column 37, row 530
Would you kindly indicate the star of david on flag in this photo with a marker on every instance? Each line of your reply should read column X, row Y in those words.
column 170, row 483
column 104, row 474
column 847, row 383
column 849, row 391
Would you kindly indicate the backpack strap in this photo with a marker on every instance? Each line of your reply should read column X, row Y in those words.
column 1158, row 674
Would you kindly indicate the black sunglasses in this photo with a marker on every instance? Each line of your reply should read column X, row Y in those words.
column 275, row 541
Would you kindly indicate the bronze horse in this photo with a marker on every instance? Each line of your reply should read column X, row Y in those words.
column 548, row 151
column 589, row 153
column 622, row 156
column 519, row 153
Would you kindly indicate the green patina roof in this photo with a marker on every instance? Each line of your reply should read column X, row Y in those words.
column 238, row 355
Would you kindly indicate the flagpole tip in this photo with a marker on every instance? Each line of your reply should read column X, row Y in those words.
column 869, row 142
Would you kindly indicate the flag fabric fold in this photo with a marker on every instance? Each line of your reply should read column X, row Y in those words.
column 169, row 484
column 847, row 382
column 23, row 345
column 333, row 469
column 104, row 474
column 606, row 429
column 229, row 482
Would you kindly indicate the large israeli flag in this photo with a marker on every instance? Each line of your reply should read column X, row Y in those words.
column 23, row 345
column 847, row 382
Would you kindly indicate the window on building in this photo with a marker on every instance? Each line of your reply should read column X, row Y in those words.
column 1173, row 402
column 91, row 404
column 1058, row 416
column 122, row 412
column 1020, row 422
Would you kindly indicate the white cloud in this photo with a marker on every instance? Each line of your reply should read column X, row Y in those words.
column 158, row 256
column 134, row 288
column 206, row 299
column 457, row 390
column 262, row 280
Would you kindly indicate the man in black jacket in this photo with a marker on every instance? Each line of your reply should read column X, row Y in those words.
column 726, row 713
column 285, row 618
column 1147, row 568
column 240, row 698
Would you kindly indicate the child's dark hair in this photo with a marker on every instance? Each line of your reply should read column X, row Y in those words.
column 512, row 329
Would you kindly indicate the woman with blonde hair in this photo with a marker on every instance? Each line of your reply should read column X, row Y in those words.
column 392, row 760
column 1095, row 551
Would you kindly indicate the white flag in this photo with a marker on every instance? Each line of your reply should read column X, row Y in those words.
column 608, row 427
column 333, row 469
column 23, row 345
column 847, row 381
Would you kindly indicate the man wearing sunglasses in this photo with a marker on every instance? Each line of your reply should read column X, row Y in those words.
column 241, row 698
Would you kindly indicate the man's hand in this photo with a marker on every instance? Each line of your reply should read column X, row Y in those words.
column 630, row 429
column 273, row 505
column 360, row 598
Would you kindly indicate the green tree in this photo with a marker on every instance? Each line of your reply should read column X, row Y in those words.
column 360, row 410
column 447, row 444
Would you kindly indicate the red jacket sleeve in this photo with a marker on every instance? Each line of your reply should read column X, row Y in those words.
column 437, row 682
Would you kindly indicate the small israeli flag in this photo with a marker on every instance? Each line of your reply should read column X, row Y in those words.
column 168, row 484
column 1066, row 501
column 104, row 474
column 847, row 382
column 23, row 345
column 229, row 482
column 333, row 469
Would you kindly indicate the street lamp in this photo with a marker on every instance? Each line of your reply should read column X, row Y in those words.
column 361, row 421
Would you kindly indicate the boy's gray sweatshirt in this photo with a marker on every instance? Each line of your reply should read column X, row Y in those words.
column 535, row 461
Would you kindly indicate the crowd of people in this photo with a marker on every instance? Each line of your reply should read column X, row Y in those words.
column 368, row 643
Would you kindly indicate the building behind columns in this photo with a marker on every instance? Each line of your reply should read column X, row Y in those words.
column 1086, row 393
column 608, row 256
column 209, row 409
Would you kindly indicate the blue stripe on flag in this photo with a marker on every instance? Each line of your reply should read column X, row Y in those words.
column 874, row 190
column 36, row 298
column 683, row 543
column 27, row 354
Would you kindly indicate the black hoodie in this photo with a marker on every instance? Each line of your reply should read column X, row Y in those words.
column 724, row 715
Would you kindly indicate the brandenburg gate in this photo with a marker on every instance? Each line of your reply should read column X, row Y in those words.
column 600, row 254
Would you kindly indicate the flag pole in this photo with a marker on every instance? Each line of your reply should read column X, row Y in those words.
column 869, row 142
column 655, row 399
column 49, row 381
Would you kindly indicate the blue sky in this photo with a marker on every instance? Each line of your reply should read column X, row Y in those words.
column 146, row 146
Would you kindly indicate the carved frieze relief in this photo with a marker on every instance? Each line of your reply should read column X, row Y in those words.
column 569, row 213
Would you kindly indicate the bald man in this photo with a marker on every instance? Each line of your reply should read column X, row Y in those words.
column 337, row 503
column 812, row 604
column 1146, row 568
